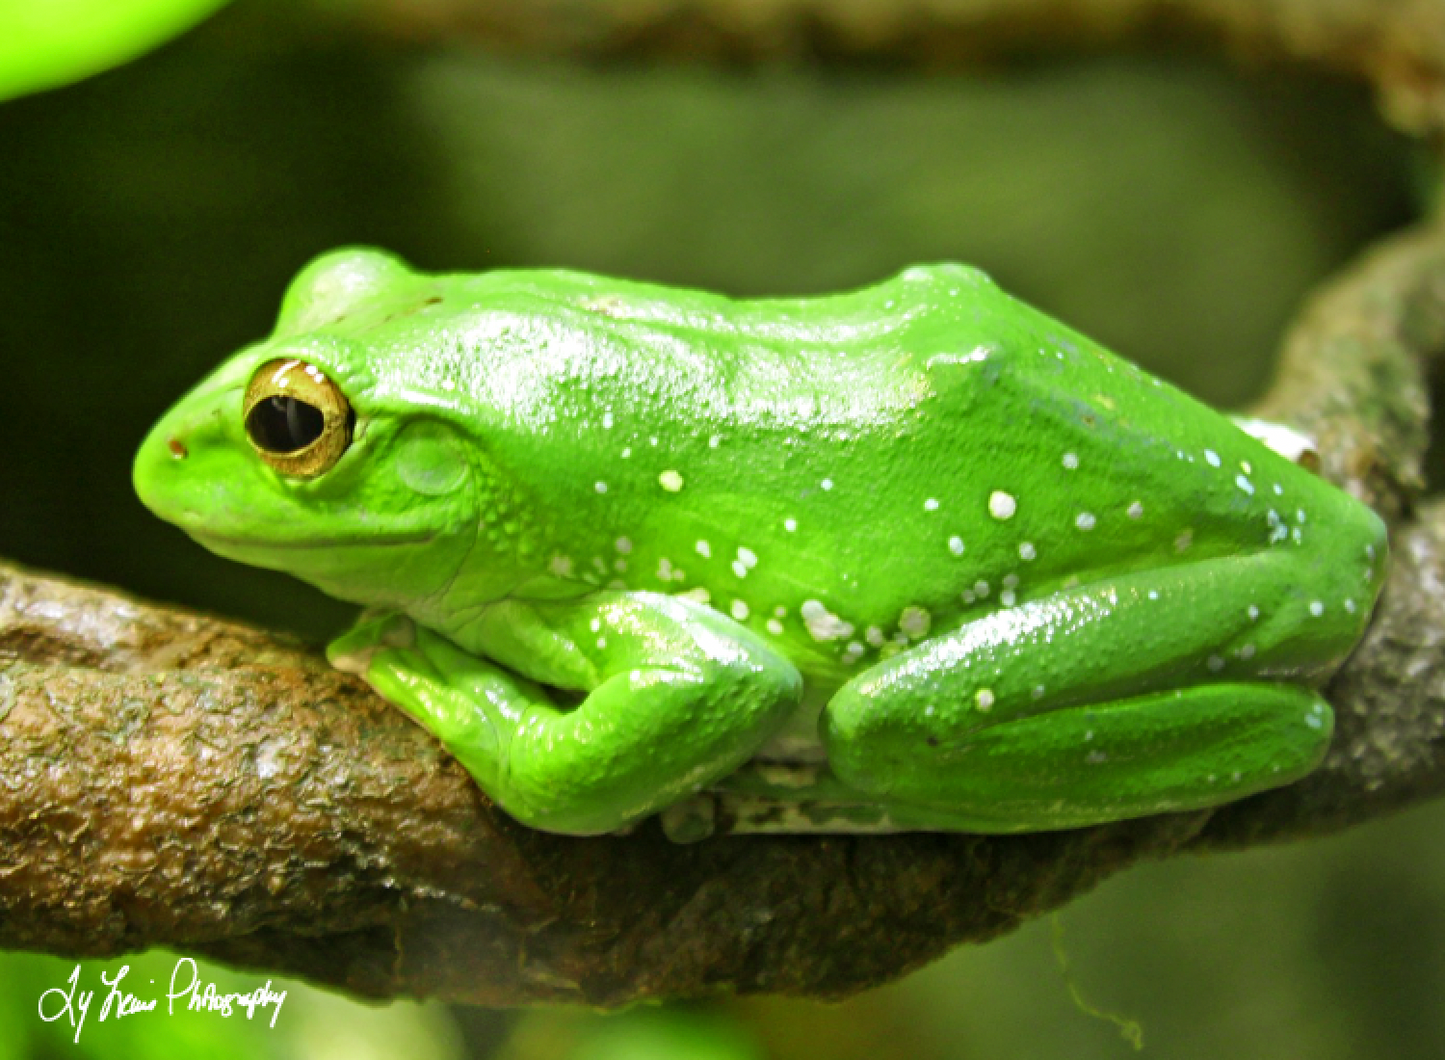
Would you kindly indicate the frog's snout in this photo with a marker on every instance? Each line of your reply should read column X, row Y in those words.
column 163, row 473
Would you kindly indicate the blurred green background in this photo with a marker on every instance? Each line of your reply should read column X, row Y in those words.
column 1175, row 209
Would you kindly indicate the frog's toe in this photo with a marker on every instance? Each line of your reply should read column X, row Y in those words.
column 352, row 651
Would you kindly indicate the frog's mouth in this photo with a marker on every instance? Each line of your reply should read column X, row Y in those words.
column 360, row 567
column 223, row 542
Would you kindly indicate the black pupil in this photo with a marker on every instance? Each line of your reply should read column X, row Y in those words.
column 284, row 424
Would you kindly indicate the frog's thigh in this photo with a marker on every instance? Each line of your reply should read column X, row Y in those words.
column 1044, row 715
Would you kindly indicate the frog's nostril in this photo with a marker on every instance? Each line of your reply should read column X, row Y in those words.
column 177, row 447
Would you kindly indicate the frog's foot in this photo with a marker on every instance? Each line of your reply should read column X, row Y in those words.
column 639, row 701
column 1145, row 693
column 434, row 682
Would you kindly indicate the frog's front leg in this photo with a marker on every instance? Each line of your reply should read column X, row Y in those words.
column 1142, row 693
column 673, row 696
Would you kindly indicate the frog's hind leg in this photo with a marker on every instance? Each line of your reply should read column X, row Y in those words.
column 1139, row 694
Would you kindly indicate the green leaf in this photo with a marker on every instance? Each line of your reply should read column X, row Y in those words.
column 45, row 43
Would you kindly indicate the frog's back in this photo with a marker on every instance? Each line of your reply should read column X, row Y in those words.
column 845, row 473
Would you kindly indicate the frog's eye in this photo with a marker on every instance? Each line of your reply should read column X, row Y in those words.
column 297, row 419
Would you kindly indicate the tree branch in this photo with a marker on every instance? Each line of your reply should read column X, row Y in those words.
column 1398, row 46
column 171, row 779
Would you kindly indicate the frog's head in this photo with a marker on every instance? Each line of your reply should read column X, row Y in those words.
column 305, row 453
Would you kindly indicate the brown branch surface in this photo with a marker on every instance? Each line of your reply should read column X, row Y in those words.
column 1398, row 46
column 172, row 779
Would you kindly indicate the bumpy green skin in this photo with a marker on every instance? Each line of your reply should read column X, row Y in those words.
column 1002, row 579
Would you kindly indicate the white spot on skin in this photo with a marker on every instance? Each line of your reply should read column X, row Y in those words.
column 1314, row 721
column 790, row 525
column 780, row 611
column 601, row 642
column 967, row 596
column 747, row 558
column 984, row 698
column 1153, row 594
column 1010, row 581
column 670, row 481
column 1095, row 758
column 1001, row 505
column 1278, row 490
column 1007, row 598
column 1084, row 520
column 740, row 568
column 1215, row 664
column 607, row 421
column 852, row 652
column 1317, row 608
column 1247, row 652
column 823, row 624
column 619, row 565
column 600, row 487
column 1253, row 613
column 915, row 622
column 623, row 545
column 561, row 566
column 1244, row 484
column 930, row 505
column 739, row 610
column 827, row 484
column 704, row 549
column 1211, row 457
column 1038, row 692
column 981, row 588
column 1299, row 514
column 664, row 569
column 714, row 441
column 1350, row 606
column 1247, row 469
column 775, row 627
column 874, row 636
column 1027, row 551
column 1071, row 461
column 1183, row 541
column 701, row 595
column 626, row 452
column 1135, row 510
column 955, row 545
column 595, row 625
